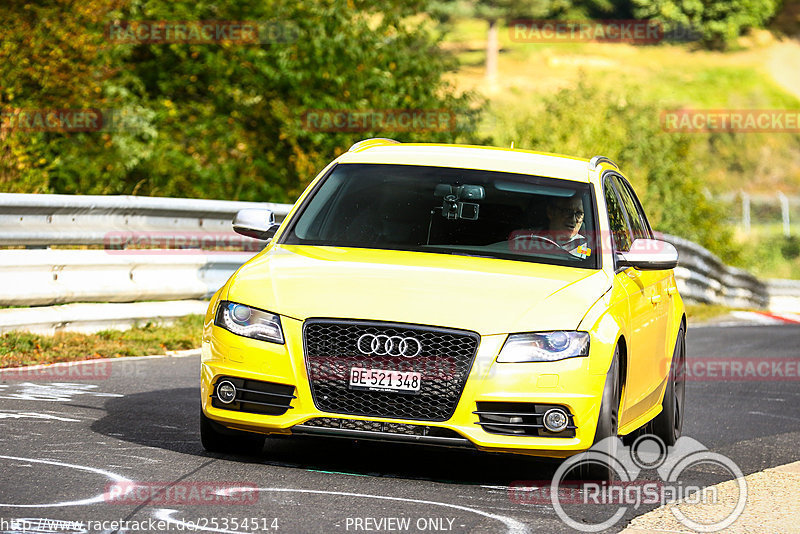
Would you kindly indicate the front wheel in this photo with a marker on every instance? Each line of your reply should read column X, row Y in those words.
column 607, row 427
column 669, row 423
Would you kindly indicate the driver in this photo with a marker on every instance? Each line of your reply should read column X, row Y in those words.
column 564, row 220
column 565, row 217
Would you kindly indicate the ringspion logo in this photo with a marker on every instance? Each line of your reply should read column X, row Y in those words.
column 675, row 467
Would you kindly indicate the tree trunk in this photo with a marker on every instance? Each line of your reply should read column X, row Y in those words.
column 492, row 51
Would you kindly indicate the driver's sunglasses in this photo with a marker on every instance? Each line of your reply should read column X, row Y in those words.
column 568, row 212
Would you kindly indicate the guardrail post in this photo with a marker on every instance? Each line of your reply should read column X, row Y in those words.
column 746, row 212
column 785, row 213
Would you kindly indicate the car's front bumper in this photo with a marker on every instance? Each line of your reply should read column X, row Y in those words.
column 568, row 383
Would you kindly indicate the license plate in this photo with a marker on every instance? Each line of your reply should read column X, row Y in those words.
column 383, row 380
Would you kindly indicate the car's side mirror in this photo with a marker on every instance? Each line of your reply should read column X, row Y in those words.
column 649, row 255
column 255, row 223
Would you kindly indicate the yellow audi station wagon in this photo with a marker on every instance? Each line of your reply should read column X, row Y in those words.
column 496, row 299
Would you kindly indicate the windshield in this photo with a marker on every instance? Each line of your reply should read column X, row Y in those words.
column 451, row 211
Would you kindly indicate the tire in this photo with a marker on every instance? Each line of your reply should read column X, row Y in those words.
column 608, row 420
column 216, row 438
column 668, row 424
column 607, row 424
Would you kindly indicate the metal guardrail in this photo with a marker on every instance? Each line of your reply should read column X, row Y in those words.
column 42, row 277
column 116, row 275
column 703, row 277
column 784, row 295
column 92, row 317
column 44, row 220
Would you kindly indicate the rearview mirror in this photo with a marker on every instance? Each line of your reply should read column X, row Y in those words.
column 649, row 255
column 255, row 223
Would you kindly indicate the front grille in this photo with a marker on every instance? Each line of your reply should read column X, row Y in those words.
column 444, row 361
column 520, row 419
column 379, row 426
column 254, row 396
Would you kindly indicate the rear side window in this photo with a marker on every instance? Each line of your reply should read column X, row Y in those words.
column 632, row 209
column 620, row 231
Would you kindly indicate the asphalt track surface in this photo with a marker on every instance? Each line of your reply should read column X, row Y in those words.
column 63, row 444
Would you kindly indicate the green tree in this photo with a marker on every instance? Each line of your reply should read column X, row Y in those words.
column 666, row 169
column 224, row 120
column 52, row 56
column 718, row 21
column 494, row 12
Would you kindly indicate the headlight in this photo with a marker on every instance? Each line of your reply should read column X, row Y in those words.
column 544, row 347
column 249, row 322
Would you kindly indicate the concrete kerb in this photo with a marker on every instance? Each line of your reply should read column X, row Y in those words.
column 772, row 505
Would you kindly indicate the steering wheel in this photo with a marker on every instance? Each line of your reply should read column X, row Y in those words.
column 540, row 238
column 557, row 249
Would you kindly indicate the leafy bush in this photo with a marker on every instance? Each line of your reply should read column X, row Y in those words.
column 719, row 22
column 213, row 120
column 790, row 248
column 666, row 169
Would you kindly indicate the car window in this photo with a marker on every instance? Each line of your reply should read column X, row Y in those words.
column 451, row 211
column 632, row 209
column 639, row 209
column 617, row 222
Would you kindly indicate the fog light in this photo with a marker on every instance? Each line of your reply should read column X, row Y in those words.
column 555, row 420
column 226, row 392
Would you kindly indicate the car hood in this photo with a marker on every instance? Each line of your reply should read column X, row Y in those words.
column 488, row 296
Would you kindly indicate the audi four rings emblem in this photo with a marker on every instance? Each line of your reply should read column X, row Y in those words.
column 383, row 345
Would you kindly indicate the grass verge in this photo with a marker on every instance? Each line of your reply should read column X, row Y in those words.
column 22, row 348
column 701, row 313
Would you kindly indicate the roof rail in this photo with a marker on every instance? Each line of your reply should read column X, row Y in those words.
column 368, row 143
column 595, row 162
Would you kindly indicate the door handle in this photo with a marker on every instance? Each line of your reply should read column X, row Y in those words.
column 672, row 290
column 655, row 299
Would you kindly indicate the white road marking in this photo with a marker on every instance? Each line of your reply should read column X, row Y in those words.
column 513, row 526
column 779, row 416
column 54, row 392
column 34, row 415
column 97, row 498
